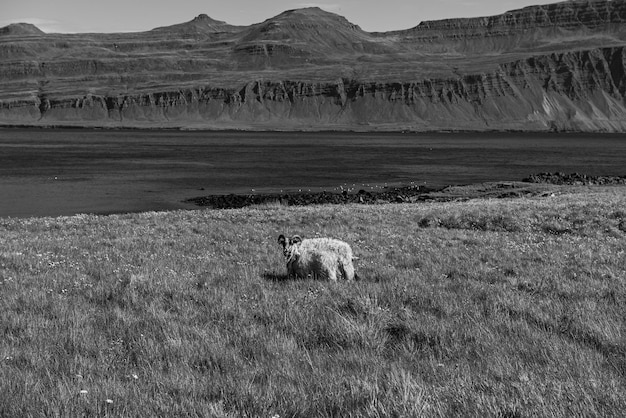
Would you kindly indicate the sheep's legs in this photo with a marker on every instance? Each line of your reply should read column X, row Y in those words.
column 347, row 271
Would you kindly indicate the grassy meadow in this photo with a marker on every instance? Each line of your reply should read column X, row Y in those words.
column 509, row 307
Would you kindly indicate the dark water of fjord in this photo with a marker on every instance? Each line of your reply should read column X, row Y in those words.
column 50, row 172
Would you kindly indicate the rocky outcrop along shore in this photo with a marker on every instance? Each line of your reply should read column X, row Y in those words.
column 406, row 194
column 574, row 179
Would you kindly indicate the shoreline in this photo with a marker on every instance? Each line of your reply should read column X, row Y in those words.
column 541, row 184
column 536, row 185
column 337, row 130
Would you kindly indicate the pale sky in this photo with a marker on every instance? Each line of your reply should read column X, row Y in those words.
column 77, row 16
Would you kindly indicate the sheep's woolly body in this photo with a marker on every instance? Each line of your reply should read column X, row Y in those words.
column 321, row 258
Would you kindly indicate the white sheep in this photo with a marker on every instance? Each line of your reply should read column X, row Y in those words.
column 318, row 258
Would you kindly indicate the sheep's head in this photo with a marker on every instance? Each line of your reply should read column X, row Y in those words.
column 290, row 246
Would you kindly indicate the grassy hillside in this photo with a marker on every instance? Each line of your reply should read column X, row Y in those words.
column 507, row 308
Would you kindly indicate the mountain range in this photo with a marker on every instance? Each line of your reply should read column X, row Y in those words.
column 556, row 67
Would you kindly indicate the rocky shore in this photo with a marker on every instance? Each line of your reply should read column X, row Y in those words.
column 542, row 184
column 575, row 179
column 407, row 194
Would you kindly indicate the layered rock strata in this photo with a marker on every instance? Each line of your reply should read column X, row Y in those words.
column 556, row 67
column 579, row 90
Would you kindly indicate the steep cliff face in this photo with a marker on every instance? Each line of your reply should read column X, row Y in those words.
column 581, row 90
column 566, row 15
column 309, row 69
column 530, row 27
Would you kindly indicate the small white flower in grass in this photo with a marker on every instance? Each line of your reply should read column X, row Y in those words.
column 134, row 376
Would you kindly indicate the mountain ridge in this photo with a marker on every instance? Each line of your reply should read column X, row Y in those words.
column 201, row 24
column 552, row 67
column 20, row 29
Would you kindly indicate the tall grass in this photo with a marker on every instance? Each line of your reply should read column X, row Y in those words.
column 507, row 308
